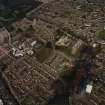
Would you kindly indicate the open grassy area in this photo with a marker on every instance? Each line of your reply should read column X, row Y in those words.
column 66, row 51
column 43, row 54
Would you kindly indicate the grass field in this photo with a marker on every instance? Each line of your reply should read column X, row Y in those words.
column 43, row 54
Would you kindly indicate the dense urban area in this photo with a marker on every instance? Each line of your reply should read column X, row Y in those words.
column 52, row 52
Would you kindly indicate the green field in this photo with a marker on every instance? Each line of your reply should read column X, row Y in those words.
column 43, row 54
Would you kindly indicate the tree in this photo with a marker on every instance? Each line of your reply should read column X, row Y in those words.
column 101, row 35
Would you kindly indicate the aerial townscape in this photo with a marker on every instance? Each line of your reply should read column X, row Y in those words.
column 52, row 52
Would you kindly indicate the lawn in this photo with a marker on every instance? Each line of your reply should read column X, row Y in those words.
column 43, row 54
column 66, row 51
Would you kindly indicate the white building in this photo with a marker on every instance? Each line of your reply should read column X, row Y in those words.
column 1, row 102
column 89, row 88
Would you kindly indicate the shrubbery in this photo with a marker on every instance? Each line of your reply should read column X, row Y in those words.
column 101, row 35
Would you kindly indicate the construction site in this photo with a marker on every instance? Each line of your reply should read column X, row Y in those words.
column 52, row 52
